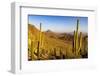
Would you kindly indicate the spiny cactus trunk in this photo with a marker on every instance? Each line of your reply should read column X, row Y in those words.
column 38, row 55
column 80, row 43
column 40, row 34
column 39, row 42
column 31, row 50
column 77, row 42
column 74, row 42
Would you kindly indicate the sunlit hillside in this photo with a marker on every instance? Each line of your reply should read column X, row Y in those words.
column 47, row 45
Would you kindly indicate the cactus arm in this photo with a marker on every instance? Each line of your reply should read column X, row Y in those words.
column 74, row 42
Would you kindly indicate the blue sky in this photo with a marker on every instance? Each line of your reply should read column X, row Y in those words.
column 59, row 23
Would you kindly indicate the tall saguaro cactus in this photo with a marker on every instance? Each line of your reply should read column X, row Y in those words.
column 77, row 42
column 77, row 29
column 40, row 33
column 39, row 42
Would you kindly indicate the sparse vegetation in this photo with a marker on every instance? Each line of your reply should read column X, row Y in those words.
column 49, row 45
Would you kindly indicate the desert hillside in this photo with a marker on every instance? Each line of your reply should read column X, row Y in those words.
column 50, row 45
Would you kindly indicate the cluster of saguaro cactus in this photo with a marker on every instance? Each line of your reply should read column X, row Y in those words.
column 77, row 42
column 37, row 50
column 57, row 53
column 34, row 51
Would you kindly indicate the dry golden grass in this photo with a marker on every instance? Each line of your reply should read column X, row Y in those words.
column 50, row 47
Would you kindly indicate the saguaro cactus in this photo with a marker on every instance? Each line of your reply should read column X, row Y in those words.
column 74, row 42
column 39, row 42
column 77, row 29
column 77, row 42
column 40, row 33
column 80, row 43
column 30, row 51
column 41, row 36
column 38, row 50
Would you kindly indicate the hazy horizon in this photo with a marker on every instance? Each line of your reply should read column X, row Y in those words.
column 59, row 24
